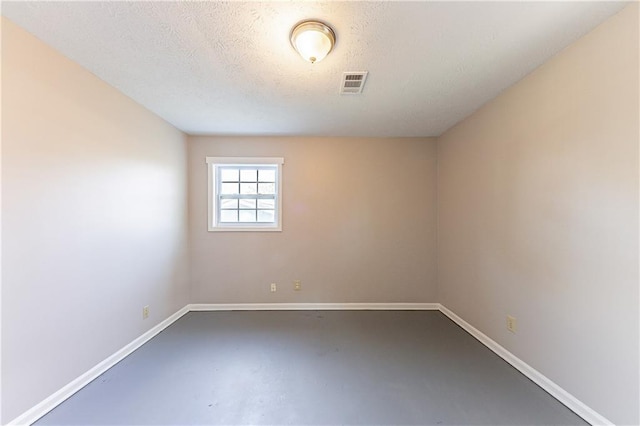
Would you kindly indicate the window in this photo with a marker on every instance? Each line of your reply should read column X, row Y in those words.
column 245, row 194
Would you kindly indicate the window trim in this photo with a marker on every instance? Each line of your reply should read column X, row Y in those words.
column 212, row 198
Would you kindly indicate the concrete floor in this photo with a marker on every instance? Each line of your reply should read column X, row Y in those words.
column 312, row 367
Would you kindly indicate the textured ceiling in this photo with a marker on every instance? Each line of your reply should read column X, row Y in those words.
column 228, row 67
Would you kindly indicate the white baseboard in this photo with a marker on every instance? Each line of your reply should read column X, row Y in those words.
column 39, row 410
column 314, row 306
column 540, row 379
column 545, row 383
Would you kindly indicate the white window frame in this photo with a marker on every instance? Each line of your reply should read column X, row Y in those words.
column 213, row 197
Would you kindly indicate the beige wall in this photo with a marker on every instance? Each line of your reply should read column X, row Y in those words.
column 538, row 218
column 358, row 224
column 93, row 220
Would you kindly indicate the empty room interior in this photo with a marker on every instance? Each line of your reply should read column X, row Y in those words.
column 320, row 213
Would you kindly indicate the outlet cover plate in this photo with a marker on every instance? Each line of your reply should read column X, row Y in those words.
column 512, row 324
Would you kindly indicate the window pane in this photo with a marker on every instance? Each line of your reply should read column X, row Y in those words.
column 229, row 175
column 266, row 188
column 229, row 188
column 228, row 203
column 248, row 175
column 247, row 215
column 245, row 195
column 247, row 204
column 228, row 215
column 265, row 216
column 267, row 175
column 266, row 204
column 248, row 188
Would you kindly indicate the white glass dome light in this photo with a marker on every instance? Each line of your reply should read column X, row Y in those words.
column 313, row 40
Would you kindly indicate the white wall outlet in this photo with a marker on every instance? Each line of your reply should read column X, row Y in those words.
column 145, row 312
column 297, row 285
column 274, row 287
column 512, row 324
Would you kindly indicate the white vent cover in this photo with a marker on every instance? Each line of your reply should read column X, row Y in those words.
column 353, row 82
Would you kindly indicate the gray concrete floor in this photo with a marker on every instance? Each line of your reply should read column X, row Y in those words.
column 312, row 367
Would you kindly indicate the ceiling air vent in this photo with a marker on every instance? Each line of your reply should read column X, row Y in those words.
column 353, row 82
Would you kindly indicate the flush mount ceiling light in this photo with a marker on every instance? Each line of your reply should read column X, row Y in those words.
column 313, row 40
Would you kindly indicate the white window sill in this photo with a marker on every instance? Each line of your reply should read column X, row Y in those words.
column 244, row 229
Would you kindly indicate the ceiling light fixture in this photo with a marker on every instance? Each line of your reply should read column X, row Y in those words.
column 313, row 40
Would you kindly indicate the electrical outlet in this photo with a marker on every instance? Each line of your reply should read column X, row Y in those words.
column 274, row 287
column 145, row 312
column 297, row 285
column 512, row 324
